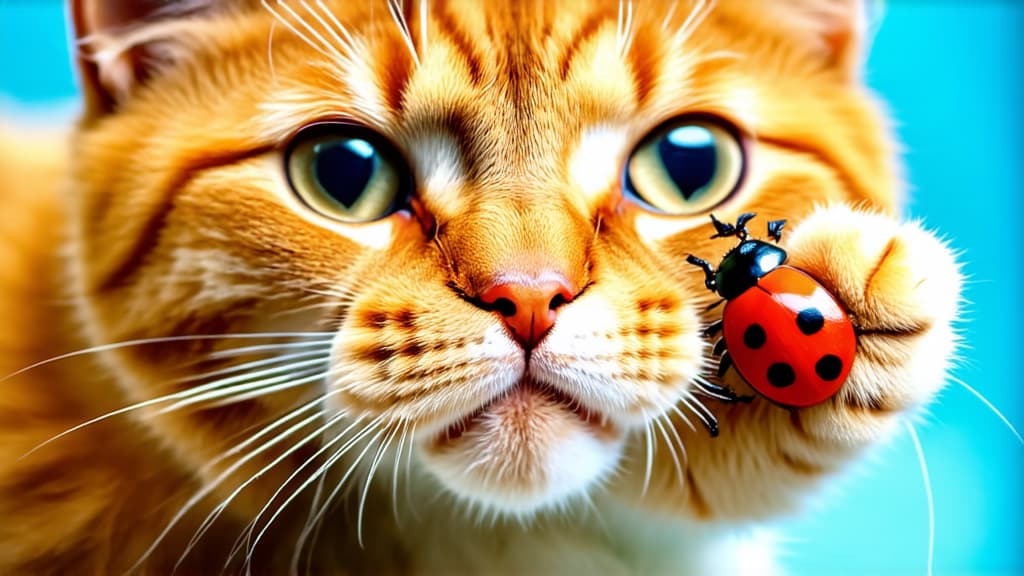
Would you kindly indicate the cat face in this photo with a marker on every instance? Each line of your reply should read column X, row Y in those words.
column 473, row 217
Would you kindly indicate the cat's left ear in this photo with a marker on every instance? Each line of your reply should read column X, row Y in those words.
column 123, row 43
column 838, row 30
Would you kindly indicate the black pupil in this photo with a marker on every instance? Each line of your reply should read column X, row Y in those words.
column 689, row 156
column 344, row 168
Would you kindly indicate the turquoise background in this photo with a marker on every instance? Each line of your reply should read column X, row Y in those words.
column 951, row 72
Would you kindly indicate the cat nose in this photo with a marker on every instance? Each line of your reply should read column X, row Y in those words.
column 529, row 306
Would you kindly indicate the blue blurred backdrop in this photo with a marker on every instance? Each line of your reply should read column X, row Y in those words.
column 951, row 72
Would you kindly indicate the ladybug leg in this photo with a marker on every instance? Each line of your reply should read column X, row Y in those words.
column 724, row 393
column 719, row 349
column 713, row 329
column 724, row 364
column 709, row 272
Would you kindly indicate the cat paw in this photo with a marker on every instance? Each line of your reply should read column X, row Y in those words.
column 901, row 287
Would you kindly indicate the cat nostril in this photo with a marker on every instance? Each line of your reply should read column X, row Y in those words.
column 528, row 306
column 505, row 307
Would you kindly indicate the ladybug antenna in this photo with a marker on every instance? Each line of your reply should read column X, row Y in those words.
column 741, row 224
column 722, row 229
column 725, row 229
column 775, row 230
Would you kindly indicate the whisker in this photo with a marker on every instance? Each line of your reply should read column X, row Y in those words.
column 703, row 383
column 209, row 487
column 369, row 480
column 671, row 449
column 280, row 421
column 927, row 493
column 266, row 5
column 243, row 350
column 295, row 473
column 408, row 471
column 683, row 417
column 255, row 364
column 330, row 30
column 334, row 458
column 649, row 464
column 396, row 468
column 219, row 509
column 343, row 292
column 990, row 405
column 162, row 340
column 700, row 410
column 395, row 8
column 236, row 392
column 182, row 396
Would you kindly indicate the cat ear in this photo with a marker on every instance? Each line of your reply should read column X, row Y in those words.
column 122, row 43
column 835, row 29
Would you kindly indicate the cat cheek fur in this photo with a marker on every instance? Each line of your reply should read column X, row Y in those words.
column 181, row 224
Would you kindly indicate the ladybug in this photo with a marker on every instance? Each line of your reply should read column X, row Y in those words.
column 785, row 334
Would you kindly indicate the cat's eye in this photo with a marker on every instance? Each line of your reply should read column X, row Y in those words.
column 347, row 172
column 686, row 166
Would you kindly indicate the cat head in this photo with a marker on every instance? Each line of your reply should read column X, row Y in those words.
column 458, row 224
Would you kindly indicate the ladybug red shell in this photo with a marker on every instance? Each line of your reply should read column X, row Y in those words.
column 786, row 335
column 789, row 338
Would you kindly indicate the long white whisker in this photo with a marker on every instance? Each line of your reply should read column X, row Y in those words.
column 342, row 46
column 295, row 473
column 248, row 366
column 266, row 4
column 990, row 405
column 408, row 471
column 699, row 410
column 208, row 488
column 403, row 27
column 671, row 449
column 278, row 422
column 316, row 33
column 235, row 393
column 232, row 352
column 396, row 468
column 649, row 464
column 163, row 340
column 179, row 396
column 216, row 512
column 369, row 480
column 342, row 292
column 323, row 469
column 683, row 417
column 927, row 493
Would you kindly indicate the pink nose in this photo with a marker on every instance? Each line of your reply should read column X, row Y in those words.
column 529, row 308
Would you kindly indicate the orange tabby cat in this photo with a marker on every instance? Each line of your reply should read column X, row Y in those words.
column 364, row 287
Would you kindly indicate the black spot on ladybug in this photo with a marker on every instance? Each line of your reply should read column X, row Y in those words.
column 829, row 367
column 781, row 375
column 754, row 336
column 810, row 320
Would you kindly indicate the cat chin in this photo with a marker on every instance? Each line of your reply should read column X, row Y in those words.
column 524, row 453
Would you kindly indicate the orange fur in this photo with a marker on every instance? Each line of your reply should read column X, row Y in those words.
column 173, row 218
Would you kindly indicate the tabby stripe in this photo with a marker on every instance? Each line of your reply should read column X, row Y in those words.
column 645, row 66
column 148, row 240
column 458, row 37
column 583, row 34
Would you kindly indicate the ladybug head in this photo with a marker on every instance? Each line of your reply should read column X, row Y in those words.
column 744, row 265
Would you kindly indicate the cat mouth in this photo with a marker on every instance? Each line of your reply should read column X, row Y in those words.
column 522, row 398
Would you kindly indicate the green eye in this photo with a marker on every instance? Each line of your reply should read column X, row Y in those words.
column 687, row 166
column 347, row 172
